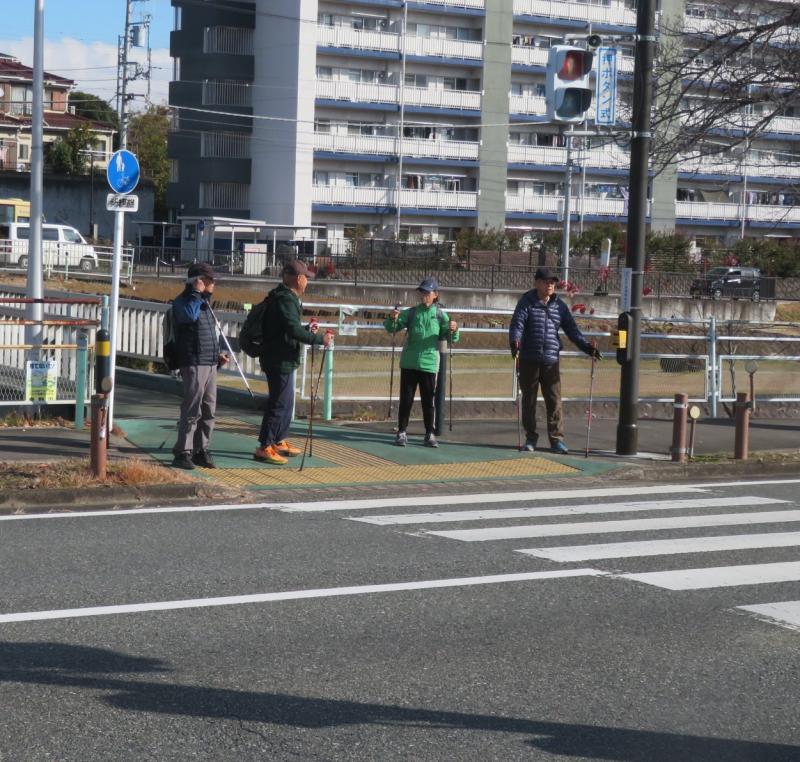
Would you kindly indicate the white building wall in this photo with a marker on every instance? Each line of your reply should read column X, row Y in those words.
column 283, row 151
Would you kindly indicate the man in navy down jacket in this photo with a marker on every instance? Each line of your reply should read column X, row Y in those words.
column 533, row 334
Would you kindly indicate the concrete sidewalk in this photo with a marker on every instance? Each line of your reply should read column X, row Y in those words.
column 362, row 456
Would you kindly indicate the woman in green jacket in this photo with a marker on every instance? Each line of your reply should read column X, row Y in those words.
column 426, row 325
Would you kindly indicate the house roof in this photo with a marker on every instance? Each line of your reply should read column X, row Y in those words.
column 11, row 68
column 55, row 120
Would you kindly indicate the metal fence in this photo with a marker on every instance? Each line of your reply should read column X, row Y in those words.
column 707, row 360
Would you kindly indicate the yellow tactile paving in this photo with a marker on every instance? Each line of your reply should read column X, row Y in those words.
column 288, row 476
column 236, row 426
column 342, row 455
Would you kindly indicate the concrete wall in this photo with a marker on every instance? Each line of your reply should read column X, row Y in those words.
column 67, row 201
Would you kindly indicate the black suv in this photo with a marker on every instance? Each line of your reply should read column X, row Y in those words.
column 735, row 282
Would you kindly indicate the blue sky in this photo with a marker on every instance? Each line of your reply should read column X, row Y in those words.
column 81, row 39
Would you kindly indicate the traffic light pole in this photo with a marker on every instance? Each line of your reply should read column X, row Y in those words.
column 627, row 427
column 567, row 206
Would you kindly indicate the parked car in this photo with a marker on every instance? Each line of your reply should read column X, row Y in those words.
column 734, row 282
column 62, row 246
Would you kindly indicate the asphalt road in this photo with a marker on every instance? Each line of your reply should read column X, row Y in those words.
column 266, row 633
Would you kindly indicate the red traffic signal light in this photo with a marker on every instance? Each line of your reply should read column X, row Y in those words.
column 575, row 64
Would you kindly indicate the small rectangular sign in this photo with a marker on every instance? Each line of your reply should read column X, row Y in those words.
column 606, row 111
column 625, row 295
column 41, row 380
column 119, row 202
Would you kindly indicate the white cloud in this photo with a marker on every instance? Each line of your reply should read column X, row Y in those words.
column 93, row 66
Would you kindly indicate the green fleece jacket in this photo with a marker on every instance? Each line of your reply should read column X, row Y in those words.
column 283, row 332
column 425, row 327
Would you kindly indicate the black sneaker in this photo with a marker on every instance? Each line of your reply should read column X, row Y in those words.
column 401, row 440
column 430, row 441
column 530, row 444
column 183, row 460
column 203, row 459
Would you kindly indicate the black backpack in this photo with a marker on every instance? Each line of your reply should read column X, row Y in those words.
column 169, row 349
column 251, row 335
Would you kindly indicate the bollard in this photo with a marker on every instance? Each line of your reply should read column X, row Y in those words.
column 98, row 453
column 678, row 449
column 102, row 367
column 742, row 439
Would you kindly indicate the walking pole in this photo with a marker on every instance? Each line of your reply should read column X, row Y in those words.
column 314, row 390
column 450, row 371
column 391, row 374
column 232, row 354
column 591, row 401
column 519, row 403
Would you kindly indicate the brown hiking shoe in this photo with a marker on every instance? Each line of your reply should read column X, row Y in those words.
column 290, row 451
column 269, row 454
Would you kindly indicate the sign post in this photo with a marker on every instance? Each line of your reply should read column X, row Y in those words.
column 123, row 176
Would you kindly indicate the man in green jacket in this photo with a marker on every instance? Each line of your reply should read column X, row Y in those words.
column 426, row 325
column 283, row 334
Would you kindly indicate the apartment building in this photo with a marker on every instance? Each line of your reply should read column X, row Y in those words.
column 16, row 108
column 424, row 117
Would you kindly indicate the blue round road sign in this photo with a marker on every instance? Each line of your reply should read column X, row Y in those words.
column 123, row 172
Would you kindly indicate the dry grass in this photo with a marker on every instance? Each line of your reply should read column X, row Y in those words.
column 75, row 474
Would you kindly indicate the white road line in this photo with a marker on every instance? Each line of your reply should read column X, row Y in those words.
column 72, row 514
column 559, row 510
column 720, row 576
column 570, row 553
column 785, row 613
column 294, row 595
column 609, row 527
column 482, row 499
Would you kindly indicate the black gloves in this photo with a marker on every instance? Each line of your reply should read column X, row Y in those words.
column 596, row 354
column 514, row 349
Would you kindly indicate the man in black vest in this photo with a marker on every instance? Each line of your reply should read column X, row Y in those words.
column 198, row 351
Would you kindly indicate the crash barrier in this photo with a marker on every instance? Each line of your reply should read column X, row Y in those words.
column 708, row 360
column 56, row 368
column 68, row 259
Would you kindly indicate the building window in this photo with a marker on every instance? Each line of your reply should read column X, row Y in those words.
column 224, row 196
column 226, row 92
column 225, row 145
column 229, row 40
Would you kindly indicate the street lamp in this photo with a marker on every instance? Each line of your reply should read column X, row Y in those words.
column 91, row 153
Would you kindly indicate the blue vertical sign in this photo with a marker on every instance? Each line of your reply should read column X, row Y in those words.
column 606, row 112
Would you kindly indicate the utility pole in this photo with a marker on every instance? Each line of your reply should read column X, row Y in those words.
column 35, row 290
column 627, row 427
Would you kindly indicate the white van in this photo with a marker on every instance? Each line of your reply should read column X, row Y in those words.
column 62, row 246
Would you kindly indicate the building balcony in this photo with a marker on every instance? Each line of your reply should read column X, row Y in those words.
column 367, row 92
column 695, row 210
column 388, row 42
column 333, row 195
column 471, row 4
column 527, row 104
column 606, row 158
column 613, row 14
column 530, row 203
column 384, row 145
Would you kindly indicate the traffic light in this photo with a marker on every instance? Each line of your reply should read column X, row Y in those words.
column 568, row 91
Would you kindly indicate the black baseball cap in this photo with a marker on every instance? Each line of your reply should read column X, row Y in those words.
column 545, row 273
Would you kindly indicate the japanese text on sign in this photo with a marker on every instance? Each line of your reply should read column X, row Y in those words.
column 606, row 86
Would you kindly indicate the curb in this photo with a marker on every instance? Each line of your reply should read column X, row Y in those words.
column 106, row 498
column 693, row 471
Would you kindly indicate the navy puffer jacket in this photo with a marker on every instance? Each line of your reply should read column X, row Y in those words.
column 197, row 341
column 535, row 326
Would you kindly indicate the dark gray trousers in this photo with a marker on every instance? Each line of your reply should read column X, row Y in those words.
column 531, row 376
column 197, row 409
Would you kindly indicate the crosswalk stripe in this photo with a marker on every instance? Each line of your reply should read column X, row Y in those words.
column 720, row 576
column 785, row 613
column 608, row 527
column 569, row 553
column 442, row 517
column 420, row 501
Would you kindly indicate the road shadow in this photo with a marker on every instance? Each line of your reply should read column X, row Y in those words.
column 98, row 669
